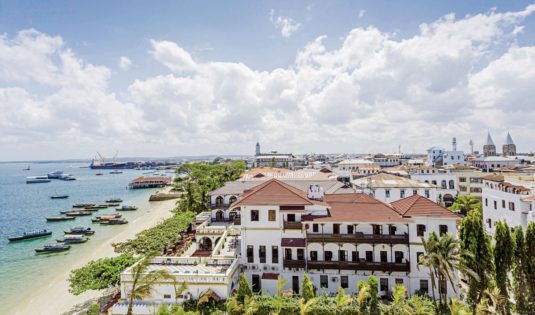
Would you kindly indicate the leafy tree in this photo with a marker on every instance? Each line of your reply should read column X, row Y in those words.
column 99, row 274
column 374, row 295
column 399, row 305
column 530, row 253
column 465, row 204
column 342, row 299
column 307, row 288
column 244, row 289
column 305, row 306
column 477, row 256
column 503, row 260
column 492, row 303
column 421, row 305
column 142, row 282
column 520, row 273
column 457, row 307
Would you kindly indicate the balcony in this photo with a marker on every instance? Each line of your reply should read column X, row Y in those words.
column 360, row 266
column 292, row 225
column 359, row 237
column 293, row 263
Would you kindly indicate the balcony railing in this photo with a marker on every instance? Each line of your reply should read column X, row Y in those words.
column 292, row 225
column 360, row 265
column 293, row 263
column 359, row 237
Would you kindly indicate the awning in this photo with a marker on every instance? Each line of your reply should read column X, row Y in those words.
column 270, row 276
column 293, row 242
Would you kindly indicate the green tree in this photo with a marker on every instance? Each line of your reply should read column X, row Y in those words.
column 307, row 288
column 421, row 305
column 520, row 273
column 476, row 252
column 374, row 295
column 99, row 274
column 342, row 299
column 399, row 305
column 244, row 289
column 465, row 204
column 142, row 282
column 503, row 260
column 530, row 253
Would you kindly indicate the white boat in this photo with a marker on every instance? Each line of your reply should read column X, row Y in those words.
column 37, row 179
column 55, row 174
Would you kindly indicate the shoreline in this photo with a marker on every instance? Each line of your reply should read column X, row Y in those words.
column 55, row 299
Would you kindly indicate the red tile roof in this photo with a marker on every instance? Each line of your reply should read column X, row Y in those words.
column 144, row 179
column 293, row 242
column 358, row 207
column 416, row 205
column 275, row 192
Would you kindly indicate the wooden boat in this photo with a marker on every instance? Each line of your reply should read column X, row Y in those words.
column 114, row 200
column 102, row 218
column 53, row 248
column 59, row 197
column 78, row 213
column 56, row 219
column 113, row 204
column 73, row 239
column 31, row 234
column 99, row 174
column 114, row 222
column 92, row 209
column 126, row 208
column 83, row 205
column 80, row 230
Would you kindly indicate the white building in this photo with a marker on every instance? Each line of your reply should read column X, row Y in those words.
column 273, row 159
column 281, row 230
column 352, row 168
column 439, row 157
column 389, row 188
column 387, row 160
column 491, row 163
column 510, row 199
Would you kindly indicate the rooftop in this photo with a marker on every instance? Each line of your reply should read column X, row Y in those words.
column 384, row 180
column 417, row 205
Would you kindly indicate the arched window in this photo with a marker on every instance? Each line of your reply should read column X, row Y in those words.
column 444, row 184
column 219, row 200
column 452, row 184
column 434, row 182
column 232, row 199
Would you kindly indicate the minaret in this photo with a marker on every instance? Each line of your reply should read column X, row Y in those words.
column 257, row 149
column 509, row 148
column 489, row 149
column 471, row 143
column 454, row 144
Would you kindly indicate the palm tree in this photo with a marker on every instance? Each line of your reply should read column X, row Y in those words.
column 492, row 304
column 399, row 303
column 429, row 259
column 457, row 307
column 304, row 307
column 143, row 281
column 342, row 299
column 421, row 305
column 466, row 204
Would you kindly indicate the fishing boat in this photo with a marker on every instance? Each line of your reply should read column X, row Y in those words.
column 73, row 239
column 116, row 172
column 113, row 204
column 126, row 208
column 83, row 205
column 80, row 230
column 76, row 213
column 92, row 209
column 99, row 174
column 114, row 200
column 59, row 196
column 57, row 219
column 52, row 248
column 27, row 168
column 37, row 179
column 31, row 234
column 101, row 218
column 114, row 222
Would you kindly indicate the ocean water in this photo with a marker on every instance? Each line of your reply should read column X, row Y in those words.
column 23, row 207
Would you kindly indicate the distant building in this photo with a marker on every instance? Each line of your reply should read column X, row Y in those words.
column 489, row 149
column 509, row 148
column 273, row 159
column 150, row 182
column 389, row 188
column 439, row 157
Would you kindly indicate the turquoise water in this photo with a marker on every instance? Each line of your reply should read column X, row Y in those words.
column 23, row 207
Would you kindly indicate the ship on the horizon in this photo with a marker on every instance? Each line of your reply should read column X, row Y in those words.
column 99, row 162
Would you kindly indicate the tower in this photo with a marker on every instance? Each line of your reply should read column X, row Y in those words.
column 471, row 143
column 454, row 144
column 509, row 148
column 489, row 149
column 257, row 149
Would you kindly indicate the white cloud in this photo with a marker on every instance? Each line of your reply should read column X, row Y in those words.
column 362, row 12
column 286, row 25
column 124, row 63
column 371, row 93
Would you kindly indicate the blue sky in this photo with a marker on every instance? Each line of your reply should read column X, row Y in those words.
column 250, row 33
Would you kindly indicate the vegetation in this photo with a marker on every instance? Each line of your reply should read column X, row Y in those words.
column 99, row 274
column 465, row 204
column 195, row 180
column 156, row 239
column 503, row 259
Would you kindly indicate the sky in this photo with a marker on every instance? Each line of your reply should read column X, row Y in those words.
column 172, row 78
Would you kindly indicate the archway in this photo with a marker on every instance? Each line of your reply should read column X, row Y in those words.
column 232, row 199
column 205, row 244
column 219, row 200
column 220, row 215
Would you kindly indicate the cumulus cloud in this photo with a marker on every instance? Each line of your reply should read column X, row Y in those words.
column 370, row 93
column 286, row 25
column 124, row 63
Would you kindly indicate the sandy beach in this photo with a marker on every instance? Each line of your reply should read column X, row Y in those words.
column 55, row 299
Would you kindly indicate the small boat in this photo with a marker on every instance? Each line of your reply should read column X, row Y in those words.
column 114, row 222
column 73, row 239
column 102, row 218
column 114, row 204
column 99, row 174
column 55, row 174
column 59, row 197
column 52, row 248
column 80, row 230
column 27, row 168
column 116, row 172
column 57, row 219
column 83, row 205
column 37, row 179
column 126, row 208
column 77, row 213
column 31, row 234
column 92, row 209
column 114, row 200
